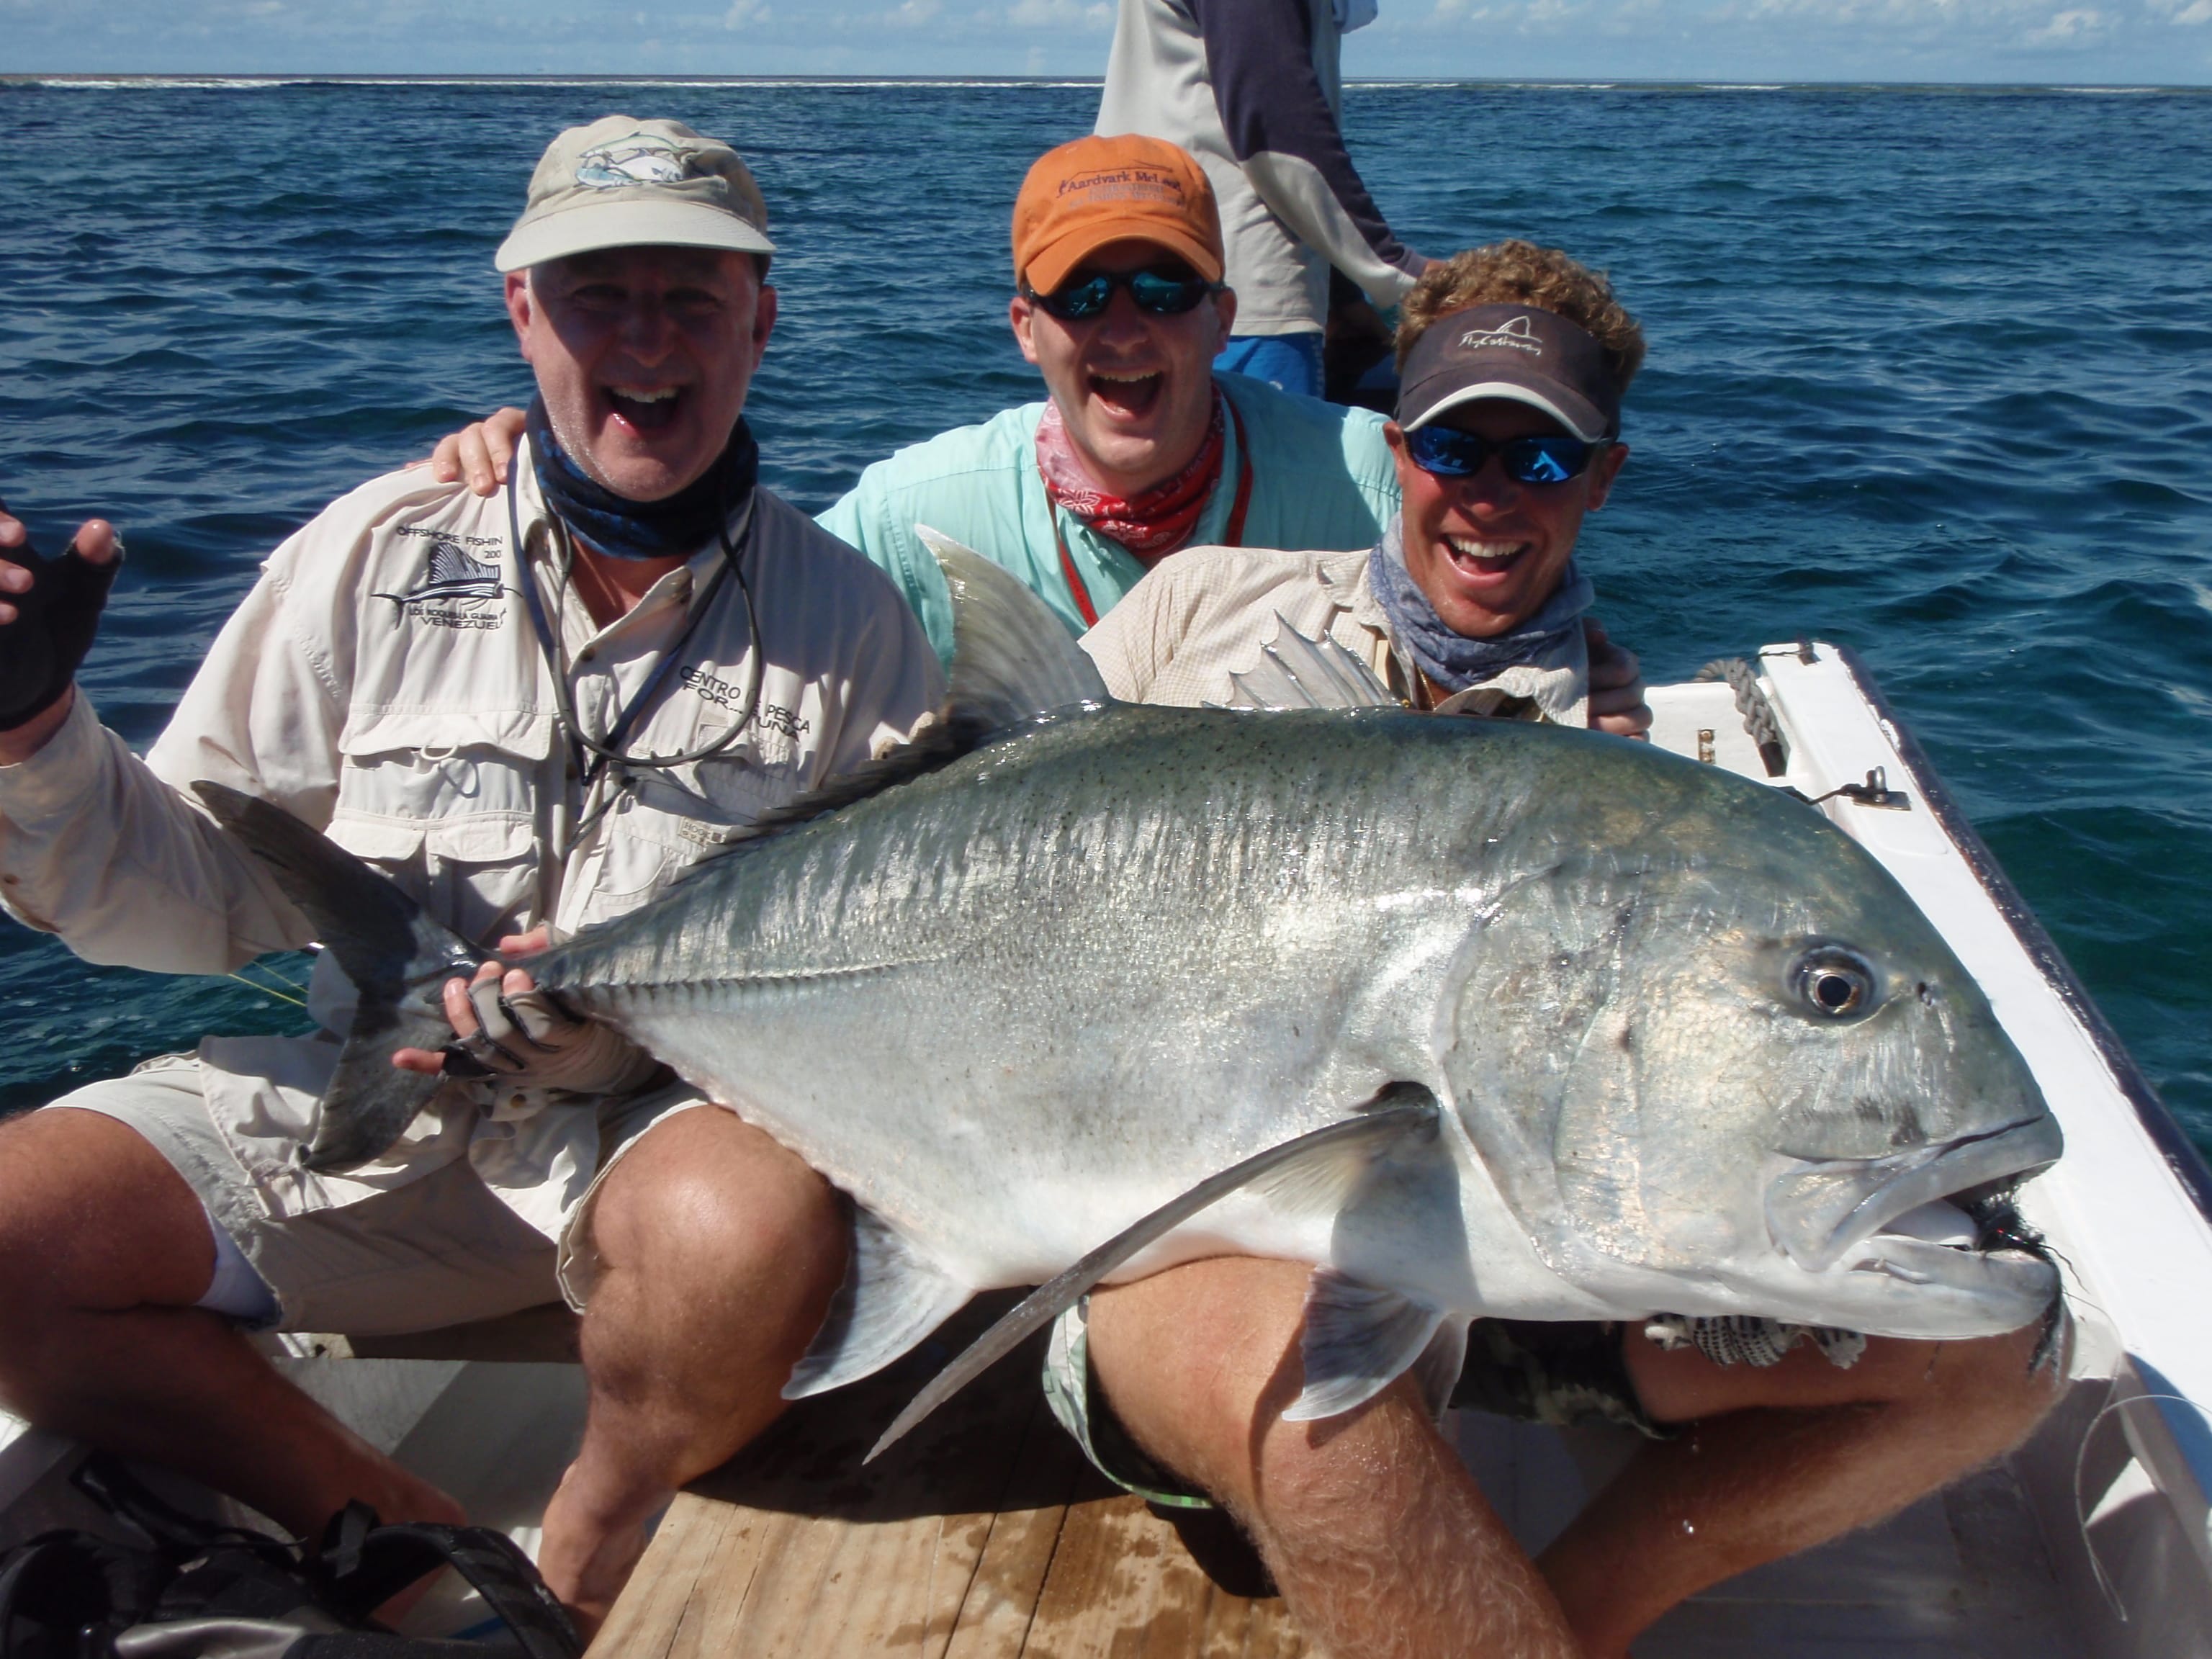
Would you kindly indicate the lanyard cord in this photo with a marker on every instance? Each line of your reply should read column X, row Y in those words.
column 1234, row 538
column 598, row 757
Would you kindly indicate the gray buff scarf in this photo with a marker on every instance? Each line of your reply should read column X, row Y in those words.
column 1453, row 660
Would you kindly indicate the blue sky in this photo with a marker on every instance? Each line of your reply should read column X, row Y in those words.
column 2077, row 41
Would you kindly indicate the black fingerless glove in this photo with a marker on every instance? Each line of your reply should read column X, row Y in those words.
column 54, row 626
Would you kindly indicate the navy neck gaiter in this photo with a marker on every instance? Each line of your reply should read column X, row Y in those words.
column 1453, row 660
column 675, row 525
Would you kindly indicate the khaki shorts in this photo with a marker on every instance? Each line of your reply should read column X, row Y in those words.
column 439, row 1249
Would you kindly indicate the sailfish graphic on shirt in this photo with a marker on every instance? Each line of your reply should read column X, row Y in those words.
column 452, row 574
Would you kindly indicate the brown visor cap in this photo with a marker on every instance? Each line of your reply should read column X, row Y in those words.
column 1520, row 353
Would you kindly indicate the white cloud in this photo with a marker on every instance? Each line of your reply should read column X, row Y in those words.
column 2069, row 28
column 1058, row 14
column 743, row 12
column 914, row 14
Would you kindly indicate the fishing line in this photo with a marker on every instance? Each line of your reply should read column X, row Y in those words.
column 2105, row 1585
column 299, row 1001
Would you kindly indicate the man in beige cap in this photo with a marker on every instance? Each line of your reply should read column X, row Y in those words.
column 533, row 712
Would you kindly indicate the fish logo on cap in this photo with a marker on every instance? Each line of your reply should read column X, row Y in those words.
column 1519, row 335
column 639, row 158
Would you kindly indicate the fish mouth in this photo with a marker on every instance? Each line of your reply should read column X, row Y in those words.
column 1872, row 1209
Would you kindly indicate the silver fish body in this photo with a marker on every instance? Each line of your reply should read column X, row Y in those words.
column 1696, row 1050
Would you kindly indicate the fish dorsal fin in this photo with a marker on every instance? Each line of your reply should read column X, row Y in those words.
column 398, row 957
column 1012, row 659
column 1399, row 1110
column 1296, row 672
column 890, row 1299
column 1359, row 1340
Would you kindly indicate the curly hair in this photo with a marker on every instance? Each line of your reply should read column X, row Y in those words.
column 1517, row 272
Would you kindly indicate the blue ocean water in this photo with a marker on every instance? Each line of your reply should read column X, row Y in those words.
column 1931, row 375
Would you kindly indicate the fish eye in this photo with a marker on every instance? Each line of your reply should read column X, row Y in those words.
column 1834, row 982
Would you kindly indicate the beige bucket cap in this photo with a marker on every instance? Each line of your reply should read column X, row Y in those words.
column 626, row 183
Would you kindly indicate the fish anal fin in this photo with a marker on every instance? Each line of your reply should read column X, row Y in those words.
column 1012, row 659
column 1398, row 1113
column 891, row 1300
column 1435, row 1373
column 1359, row 1340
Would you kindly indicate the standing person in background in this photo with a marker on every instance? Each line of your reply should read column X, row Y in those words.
column 1252, row 88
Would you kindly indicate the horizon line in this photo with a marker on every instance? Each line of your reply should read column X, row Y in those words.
column 98, row 77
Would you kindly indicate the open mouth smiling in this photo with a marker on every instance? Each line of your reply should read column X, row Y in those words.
column 645, row 409
column 1128, row 394
column 1484, row 558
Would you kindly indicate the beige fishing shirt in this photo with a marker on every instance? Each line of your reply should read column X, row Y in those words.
column 383, row 682
column 1206, row 615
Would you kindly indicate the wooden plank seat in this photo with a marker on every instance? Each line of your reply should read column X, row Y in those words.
column 984, row 1535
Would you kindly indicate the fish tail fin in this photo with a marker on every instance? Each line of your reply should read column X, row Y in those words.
column 398, row 957
column 1400, row 1110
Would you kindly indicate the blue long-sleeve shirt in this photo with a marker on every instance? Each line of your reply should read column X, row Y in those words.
column 1251, row 88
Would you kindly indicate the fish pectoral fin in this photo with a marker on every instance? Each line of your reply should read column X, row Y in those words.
column 1359, row 1340
column 1326, row 1179
column 1012, row 659
column 1399, row 1111
column 1297, row 673
column 892, row 1299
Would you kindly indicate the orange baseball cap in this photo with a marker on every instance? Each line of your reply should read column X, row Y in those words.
column 1082, row 195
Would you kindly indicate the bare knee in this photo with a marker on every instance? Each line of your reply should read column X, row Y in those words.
column 708, row 1211
column 93, row 1218
column 1199, row 1361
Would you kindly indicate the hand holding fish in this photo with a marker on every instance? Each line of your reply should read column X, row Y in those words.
column 1616, row 686
column 48, row 613
column 506, row 1028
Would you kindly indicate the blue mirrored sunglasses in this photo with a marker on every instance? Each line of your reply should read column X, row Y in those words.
column 1163, row 293
column 1547, row 458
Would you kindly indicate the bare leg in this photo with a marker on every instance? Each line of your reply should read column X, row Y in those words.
column 103, row 1250
column 1378, row 1538
column 1777, row 1459
column 719, row 1252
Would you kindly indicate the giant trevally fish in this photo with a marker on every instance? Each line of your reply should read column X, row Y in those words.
column 1479, row 1018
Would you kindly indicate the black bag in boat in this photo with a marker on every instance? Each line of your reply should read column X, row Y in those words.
column 197, row 1591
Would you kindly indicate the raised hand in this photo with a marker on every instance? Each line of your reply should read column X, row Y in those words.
column 49, row 614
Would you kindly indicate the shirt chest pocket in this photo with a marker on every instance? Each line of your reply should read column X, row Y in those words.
column 446, row 802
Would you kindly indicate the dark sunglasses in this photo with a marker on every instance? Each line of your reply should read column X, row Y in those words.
column 1544, row 459
column 1162, row 293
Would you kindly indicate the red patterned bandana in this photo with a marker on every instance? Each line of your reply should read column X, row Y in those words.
column 1153, row 524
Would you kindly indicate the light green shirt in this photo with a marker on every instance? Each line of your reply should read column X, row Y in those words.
column 1323, row 479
